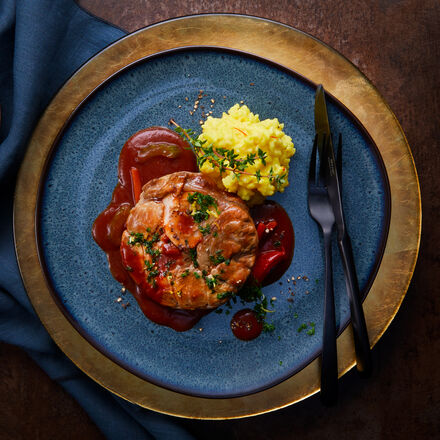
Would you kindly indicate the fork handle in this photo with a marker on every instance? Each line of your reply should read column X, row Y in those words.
column 360, row 333
column 329, row 366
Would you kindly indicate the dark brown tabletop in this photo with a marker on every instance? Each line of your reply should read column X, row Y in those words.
column 396, row 44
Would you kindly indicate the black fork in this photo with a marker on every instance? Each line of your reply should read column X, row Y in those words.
column 321, row 211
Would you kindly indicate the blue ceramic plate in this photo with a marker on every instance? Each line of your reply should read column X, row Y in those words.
column 82, row 172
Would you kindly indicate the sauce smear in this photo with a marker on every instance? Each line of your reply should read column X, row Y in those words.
column 154, row 152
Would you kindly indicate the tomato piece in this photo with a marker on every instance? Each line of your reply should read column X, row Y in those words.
column 276, row 242
column 265, row 262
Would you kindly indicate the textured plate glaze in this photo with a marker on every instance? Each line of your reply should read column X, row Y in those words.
column 288, row 47
column 83, row 172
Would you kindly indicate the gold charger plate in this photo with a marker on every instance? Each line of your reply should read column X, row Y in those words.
column 313, row 60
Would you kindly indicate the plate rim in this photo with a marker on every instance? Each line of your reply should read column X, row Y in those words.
column 66, row 337
column 170, row 52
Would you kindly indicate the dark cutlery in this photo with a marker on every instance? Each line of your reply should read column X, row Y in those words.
column 322, row 212
column 333, row 184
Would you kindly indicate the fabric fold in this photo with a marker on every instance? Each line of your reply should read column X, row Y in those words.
column 42, row 43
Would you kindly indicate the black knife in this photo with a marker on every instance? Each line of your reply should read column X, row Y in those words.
column 361, row 341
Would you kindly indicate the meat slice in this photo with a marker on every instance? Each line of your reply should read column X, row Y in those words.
column 188, row 244
column 179, row 226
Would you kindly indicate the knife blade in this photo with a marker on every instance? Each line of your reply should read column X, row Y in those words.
column 322, row 126
column 360, row 334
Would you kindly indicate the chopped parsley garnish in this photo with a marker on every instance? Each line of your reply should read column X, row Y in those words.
column 152, row 271
column 197, row 275
column 148, row 264
column 268, row 327
column 225, row 295
column 184, row 274
column 253, row 293
column 129, row 268
column 193, row 255
column 151, row 277
column 212, row 281
column 302, row 327
column 310, row 331
column 205, row 230
column 250, row 293
column 214, row 234
column 199, row 216
column 137, row 238
column 201, row 204
column 219, row 258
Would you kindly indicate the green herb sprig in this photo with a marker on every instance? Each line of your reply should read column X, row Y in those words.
column 226, row 159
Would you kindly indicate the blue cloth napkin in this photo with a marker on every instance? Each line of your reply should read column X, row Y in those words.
column 42, row 42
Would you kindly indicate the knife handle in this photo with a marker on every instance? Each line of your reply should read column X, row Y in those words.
column 360, row 333
column 329, row 365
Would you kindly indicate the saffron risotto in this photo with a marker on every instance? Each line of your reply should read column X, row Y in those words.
column 241, row 130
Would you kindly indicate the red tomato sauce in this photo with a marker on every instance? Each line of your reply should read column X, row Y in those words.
column 155, row 152
column 276, row 242
column 245, row 325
